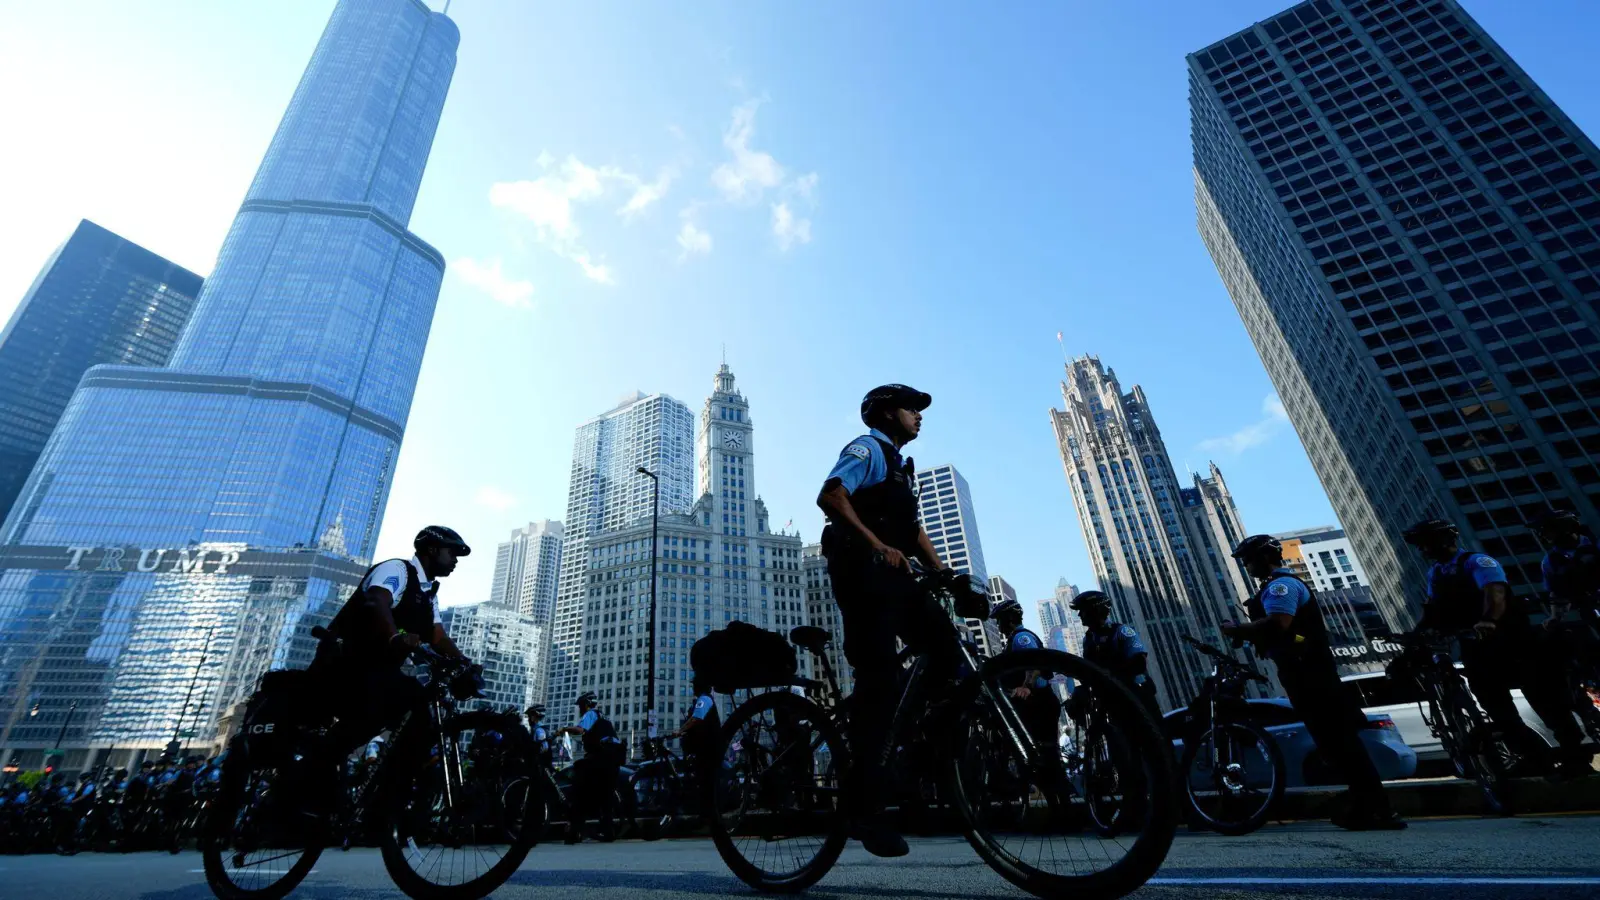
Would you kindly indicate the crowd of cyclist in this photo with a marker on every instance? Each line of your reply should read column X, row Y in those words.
column 156, row 806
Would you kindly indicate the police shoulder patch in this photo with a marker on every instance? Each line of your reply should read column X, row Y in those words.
column 392, row 583
column 1278, row 589
column 1485, row 561
column 1127, row 631
column 858, row 451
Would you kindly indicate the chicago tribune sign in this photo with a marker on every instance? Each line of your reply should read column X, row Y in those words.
column 184, row 561
column 1374, row 650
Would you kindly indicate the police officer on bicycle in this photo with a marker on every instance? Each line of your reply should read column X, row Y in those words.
column 1040, row 707
column 701, row 727
column 595, row 775
column 1113, row 646
column 1571, row 567
column 541, row 736
column 1286, row 624
column 1468, row 591
column 872, row 534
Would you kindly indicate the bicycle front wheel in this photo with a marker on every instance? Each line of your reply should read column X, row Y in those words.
column 1234, row 775
column 773, row 806
column 1057, row 850
column 657, row 799
column 458, row 823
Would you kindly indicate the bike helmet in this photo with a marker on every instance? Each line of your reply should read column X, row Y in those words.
column 1430, row 531
column 1006, row 609
column 1091, row 600
column 441, row 536
column 1559, row 521
column 536, row 711
column 1258, row 545
column 893, row 396
column 588, row 700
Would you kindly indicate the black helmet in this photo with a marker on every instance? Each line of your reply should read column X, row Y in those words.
column 1006, row 607
column 1429, row 531
column 1558, row 521
column 536, row 711
column 1091, row 600
column 441, row 536
column 588, row 699
column 893, row 396
column 1257, row 545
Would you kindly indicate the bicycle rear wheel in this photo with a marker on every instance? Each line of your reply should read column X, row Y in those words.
column 1234, row 774
column 773, row 808
column 453, row 830
column 1057, row 851
column 658, row 800
column 251, row 847
column 1488, row 759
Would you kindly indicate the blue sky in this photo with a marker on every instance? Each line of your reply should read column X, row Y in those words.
column 622, row 189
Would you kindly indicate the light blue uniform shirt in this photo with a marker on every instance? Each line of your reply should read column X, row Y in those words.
column 1284, row 594
column 862, row 464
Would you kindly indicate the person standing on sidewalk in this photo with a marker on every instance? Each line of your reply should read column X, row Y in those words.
column 1286, row 624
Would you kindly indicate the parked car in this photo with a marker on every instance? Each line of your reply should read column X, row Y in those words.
column 1390, row 754
column 1381, row 696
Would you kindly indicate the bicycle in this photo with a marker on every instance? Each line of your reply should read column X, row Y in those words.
column 1476, row 748
column 1234, row 772
column 439, row 818
column 662, row 785
column 780, row 823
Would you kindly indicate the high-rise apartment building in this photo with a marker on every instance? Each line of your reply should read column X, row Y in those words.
column 822, row 610
column 1322, row 557
column 507, row 643
column 607, row 493
column 944, row 504
column 100, row 300
column 1410, row 230
column 717, row 562
column 1059, row 624
column 190, row 524
column 1156, row 548
column 526, row 571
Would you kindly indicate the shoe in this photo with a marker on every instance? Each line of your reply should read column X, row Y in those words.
column 879, row 839
column 572, row 837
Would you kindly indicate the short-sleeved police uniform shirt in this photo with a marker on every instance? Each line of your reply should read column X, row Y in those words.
column 1284, row 594
column 1483, row 568
column 862, row 464
column 588, row 721
column 703, row 705
column 391, row 575
column 1023, row 639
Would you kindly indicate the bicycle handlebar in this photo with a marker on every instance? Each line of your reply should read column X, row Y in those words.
column 1248, row 671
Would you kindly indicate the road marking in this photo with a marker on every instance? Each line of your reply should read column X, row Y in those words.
column 237, row 871
column 1398, row 879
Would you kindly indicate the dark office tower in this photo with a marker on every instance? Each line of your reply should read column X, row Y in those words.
column 1410, row 230
column 99, row 299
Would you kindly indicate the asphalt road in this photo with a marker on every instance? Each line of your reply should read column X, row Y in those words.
column 1459, row 859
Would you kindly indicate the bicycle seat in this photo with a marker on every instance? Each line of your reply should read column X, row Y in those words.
column 811, row 638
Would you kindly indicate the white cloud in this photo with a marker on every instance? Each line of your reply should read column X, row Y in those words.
column 549, row 202
column 745, row 177
column 692, row 240
column 805, row 185
column 1273, row 418
column 646, row 194
column 788, row 229
column 489, row 278
column 494, row 498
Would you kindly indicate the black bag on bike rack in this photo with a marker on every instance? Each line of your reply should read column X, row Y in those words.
column 743, row 656
column 284, row 702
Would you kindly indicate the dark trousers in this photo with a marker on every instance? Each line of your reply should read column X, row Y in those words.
column 878, row 605
column 1495, row 665
column 594, row 783
column 1335, row 721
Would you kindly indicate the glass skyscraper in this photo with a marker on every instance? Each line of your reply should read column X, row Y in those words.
column 189, row 524
column 1410, row 230
column 99, row 299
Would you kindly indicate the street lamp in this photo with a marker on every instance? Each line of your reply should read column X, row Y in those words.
column 655, row 526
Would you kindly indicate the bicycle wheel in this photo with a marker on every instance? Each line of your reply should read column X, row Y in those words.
column 251, row 848
column 447, row 831
column 1054, row 853
column 1234, row 775
column 774, row 810
column 657, row 799
column 1488, row 759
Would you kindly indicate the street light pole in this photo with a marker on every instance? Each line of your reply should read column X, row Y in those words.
column 655, row 527
column 204, row 649
column 62, row 734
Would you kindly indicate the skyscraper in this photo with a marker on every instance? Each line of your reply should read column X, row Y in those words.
column 822, row 610
column 1153, row 560
column 717, row 562
column 1059, row 624
column 526, row 569
column 607, row 493
column 193, row 522
column 509, row 646
column 1215, row 528
column 1410, row 230
column 100, row 299
column 944, row 504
